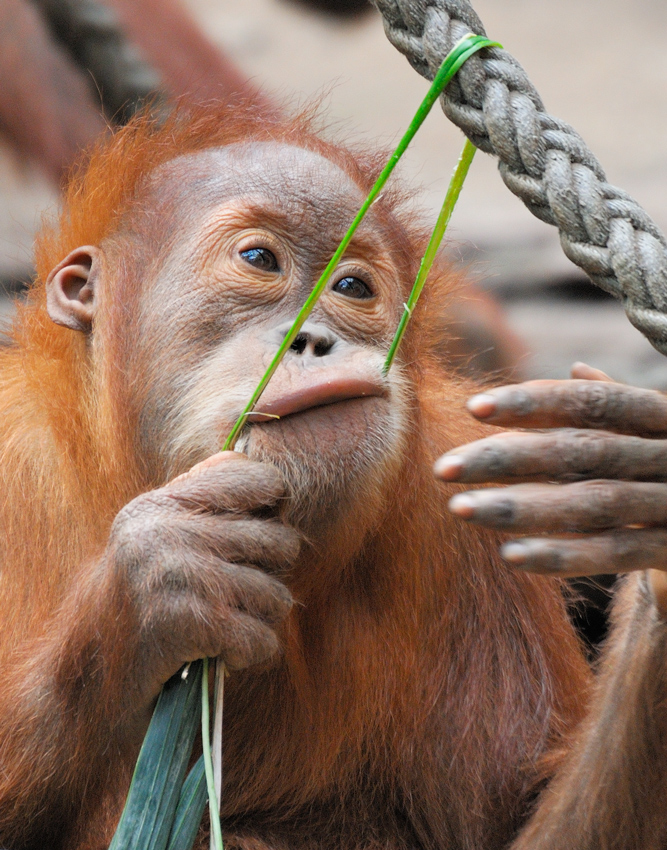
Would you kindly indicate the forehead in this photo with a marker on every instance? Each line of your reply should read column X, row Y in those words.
column 278, row 173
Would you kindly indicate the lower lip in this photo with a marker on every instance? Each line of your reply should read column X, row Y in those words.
column 320, row 395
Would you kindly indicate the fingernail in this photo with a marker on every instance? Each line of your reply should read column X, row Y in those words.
column 482, row 405
column 449, row 467
column 463, row 505
column 514, row 553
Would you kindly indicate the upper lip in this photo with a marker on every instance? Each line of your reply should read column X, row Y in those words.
column 310, row 390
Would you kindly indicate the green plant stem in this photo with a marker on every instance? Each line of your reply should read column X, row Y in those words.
column 213, row 802
column 462, row 51
column 452, row 196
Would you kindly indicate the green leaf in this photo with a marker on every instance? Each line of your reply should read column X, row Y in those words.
column 190, row 809
column 149, row 811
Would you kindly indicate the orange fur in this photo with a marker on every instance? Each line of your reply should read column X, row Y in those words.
column 422, row 682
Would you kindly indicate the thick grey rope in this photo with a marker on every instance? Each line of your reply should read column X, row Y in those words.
column 541, row 159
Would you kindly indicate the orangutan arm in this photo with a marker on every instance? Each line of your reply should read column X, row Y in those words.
column 599, row 479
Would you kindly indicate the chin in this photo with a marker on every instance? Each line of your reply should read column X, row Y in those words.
column 334, row 458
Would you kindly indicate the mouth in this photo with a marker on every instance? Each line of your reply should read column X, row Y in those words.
column 312, row 391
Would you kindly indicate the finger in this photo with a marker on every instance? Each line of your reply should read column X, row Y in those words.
column 213, row 460
column 261, row 542
column 574, row 404
column 240, row 588
column 208, row 578
column 227, row 482
column 563, row 455
column 585, row 506
column 259, row 594
column 588, row 373
column 239, row 639
column 611, row 552
column 244, row 641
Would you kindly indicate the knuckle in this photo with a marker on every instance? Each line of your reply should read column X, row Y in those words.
column 598, row 491
column 493, row 457
column 156, row 557
column 593, row 402
column 137, row 526
column 145, row 510
column 580, row 453
column 601, row 501
column 177, row 572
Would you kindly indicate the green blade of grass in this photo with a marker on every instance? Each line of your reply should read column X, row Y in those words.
column 160, row 770
column 452, row 196
column 462, row 51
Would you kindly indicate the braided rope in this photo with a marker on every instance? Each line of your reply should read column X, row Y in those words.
column 542, row 160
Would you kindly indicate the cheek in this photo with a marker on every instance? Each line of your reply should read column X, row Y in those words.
column 359, row 320
column 194, row 412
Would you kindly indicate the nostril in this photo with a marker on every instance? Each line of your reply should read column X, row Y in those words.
column 312, row 339
column 300, row 343
column 322, row 347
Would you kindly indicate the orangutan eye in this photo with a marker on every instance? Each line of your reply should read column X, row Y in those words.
column 261, row 258
column 353, row 287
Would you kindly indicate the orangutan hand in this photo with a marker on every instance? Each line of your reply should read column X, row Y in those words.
column 199, row 560
column 602, row 474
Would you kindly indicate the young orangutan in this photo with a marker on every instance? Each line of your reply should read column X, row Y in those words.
column 393, row 684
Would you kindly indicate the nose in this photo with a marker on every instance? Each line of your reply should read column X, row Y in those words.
column 316, row 340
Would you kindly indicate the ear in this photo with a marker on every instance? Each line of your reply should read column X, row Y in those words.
column 70, row 289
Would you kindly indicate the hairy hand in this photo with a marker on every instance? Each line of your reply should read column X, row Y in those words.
column 195, row 560
column 600, row 477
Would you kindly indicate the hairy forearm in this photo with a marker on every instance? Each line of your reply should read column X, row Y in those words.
column 611, row 791
column 65, row 726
